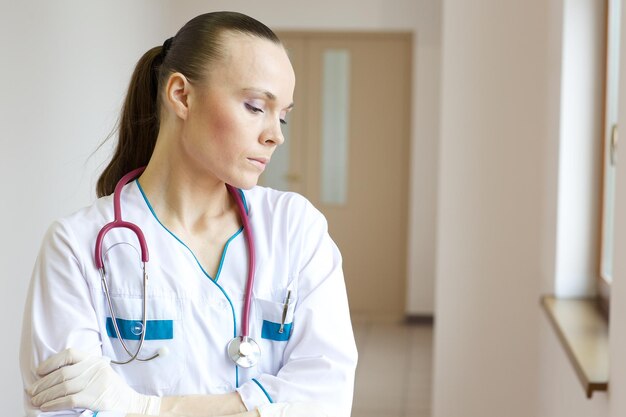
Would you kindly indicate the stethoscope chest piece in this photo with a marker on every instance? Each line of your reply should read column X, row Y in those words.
column 244, row 351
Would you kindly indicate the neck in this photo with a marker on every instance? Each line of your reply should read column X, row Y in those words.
column 183, row 197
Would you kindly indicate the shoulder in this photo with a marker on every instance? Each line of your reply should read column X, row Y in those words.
column 270, row 197
column 94, row 214
column 79, row 228
column 286, row 206
column 287, row 224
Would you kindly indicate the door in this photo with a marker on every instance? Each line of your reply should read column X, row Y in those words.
column 347, row 150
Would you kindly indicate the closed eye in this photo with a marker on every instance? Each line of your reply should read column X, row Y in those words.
column 253, row 109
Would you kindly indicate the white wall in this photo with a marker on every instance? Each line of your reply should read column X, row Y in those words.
column 65, row 67
column 510, row 171
column 499, row 129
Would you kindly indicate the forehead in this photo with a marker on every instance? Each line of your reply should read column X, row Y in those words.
column 251, row 62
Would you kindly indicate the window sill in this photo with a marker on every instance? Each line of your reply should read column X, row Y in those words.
column 584, row 334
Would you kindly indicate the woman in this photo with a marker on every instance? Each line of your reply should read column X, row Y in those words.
column 202, row 111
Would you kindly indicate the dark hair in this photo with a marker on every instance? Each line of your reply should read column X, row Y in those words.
column 190, row 52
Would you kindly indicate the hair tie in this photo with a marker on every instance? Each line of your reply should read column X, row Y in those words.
column 166, row 47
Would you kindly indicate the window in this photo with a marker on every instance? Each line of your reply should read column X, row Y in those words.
column 609, row 139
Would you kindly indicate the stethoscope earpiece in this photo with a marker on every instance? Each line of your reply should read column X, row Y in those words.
column 163, row 351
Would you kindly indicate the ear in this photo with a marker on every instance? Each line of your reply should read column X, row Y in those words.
column 177, row 93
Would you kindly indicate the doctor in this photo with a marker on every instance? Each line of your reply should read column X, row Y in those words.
column 202, row 111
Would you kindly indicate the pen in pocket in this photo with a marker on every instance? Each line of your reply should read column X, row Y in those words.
column 285, row 307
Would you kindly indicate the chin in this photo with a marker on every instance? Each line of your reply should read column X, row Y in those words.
column 244, row 183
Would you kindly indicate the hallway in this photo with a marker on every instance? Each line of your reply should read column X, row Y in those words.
column 393, row 377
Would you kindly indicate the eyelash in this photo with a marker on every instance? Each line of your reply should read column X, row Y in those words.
column 253, row 109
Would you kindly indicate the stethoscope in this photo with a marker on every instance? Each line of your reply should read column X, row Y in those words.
column 243, row 350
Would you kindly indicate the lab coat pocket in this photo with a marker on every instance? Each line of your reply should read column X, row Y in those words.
column 276, row 319
column 163, row 335
column 267, row 332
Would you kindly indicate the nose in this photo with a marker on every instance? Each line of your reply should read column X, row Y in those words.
column 273, row 135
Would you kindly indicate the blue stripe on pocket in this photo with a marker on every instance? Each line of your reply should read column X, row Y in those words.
column 132, row 329
column 270, row 331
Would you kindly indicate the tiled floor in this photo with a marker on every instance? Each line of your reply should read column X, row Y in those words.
column 393, row 378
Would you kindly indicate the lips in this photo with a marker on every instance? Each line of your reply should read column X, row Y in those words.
column 259, row 162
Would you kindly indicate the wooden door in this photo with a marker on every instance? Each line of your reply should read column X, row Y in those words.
column 367, row 214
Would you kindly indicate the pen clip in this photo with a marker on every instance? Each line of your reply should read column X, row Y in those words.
column 281, row 329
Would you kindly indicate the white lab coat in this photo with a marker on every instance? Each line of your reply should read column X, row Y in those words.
column 197, row 316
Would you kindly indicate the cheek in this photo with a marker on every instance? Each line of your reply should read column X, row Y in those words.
column 221, row 125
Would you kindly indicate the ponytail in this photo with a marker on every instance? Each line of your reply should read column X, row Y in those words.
column 139, row 123
column 196, row 46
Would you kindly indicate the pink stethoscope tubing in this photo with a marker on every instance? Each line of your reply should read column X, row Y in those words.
column 243, row 350
column 119, row 223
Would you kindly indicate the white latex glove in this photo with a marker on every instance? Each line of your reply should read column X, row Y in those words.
column 292, row 410
column 74, row 379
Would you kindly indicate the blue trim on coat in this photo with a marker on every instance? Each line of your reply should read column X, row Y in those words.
column 132, row 329
column 270, row 331
column 219, row 269
column 245, row 202
column 145, row 198
column 263, row 389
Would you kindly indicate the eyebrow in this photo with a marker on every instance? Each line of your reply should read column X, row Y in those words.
column 269, row 95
